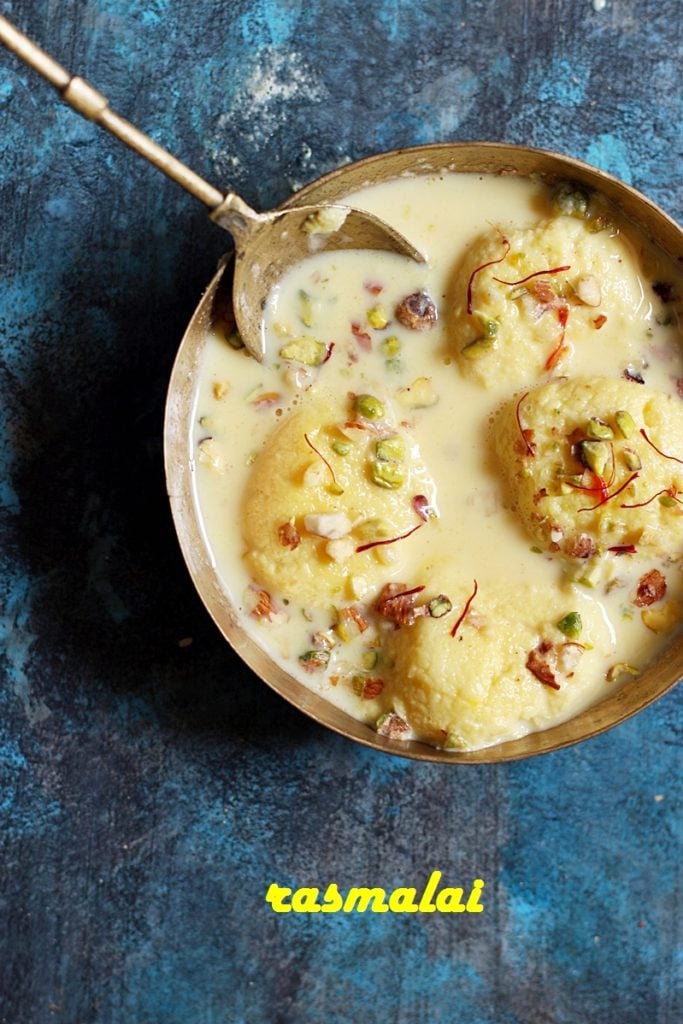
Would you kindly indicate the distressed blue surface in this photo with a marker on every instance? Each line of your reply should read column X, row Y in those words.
column 151, row 792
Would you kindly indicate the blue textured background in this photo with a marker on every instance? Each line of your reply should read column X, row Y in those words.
column 151, row 791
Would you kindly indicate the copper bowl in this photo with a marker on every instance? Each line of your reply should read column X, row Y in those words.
column 478, row 157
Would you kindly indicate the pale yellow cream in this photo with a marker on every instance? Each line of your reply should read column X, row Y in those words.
column 261, row 431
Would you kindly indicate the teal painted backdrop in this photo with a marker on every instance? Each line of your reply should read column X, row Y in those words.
column 152, row 788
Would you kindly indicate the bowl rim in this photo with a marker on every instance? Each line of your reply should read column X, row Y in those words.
column 179, row 466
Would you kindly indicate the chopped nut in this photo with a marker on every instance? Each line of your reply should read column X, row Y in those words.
column 315, row 474
column 599, row 430
column 631, row 458
column 651, row 588
column 305, row 350
column 568, row 657
column 579, row 546
column 418, row 395
column 539, row 664
column 315, row 661
column 620, row 669
column 377, row 317
column 392, row 726
column 325, row 220
column 220, row 389
column 594, row 455
column 396, row 602
column 571, row 625
column 625, row 423
column 340, row 550
column 479, row 347
column 571, row 201
column 390, row 449
column 351, row 623
column 306, row 313
column 440, row 606
column 369, row 407
column 370, row 658
column 210, row 454
column 588, row 291
column 664, row 618
column 391, row 346
column 388, row 474
column 324, row 640
column 547, row 661
column 261, row 603
column 367, row 687
column 332, row 525
column 417, row 311
column 288, row 535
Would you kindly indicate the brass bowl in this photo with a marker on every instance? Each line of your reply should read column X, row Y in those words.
column 478, row 157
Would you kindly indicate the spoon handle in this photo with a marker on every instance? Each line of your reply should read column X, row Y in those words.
column 92, row 105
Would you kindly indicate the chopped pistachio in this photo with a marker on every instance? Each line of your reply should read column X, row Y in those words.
column 599, row 430
column 390, row 449
column 377, row 317
column 440, row 606
column 595, row 455
column 591, row 573
column 305, row 350
column 625, row 423
column 369, row 407
column 632, row 459
column 358, row 684
column 391, row 346
column 369, row 659
column 374, row 529
column 315, row 661
column 479, row 347
column 488, row 323
column 388, row 474
column 571, row 201
column 571, row 625
column 341, row 447
column 517, row 293
column 667, row 500
column 306, row 308
column 394, row 365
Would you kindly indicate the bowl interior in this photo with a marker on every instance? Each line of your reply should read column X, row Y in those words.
column 491, row 158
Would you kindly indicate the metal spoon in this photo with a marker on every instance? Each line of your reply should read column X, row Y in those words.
column 266, row 244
